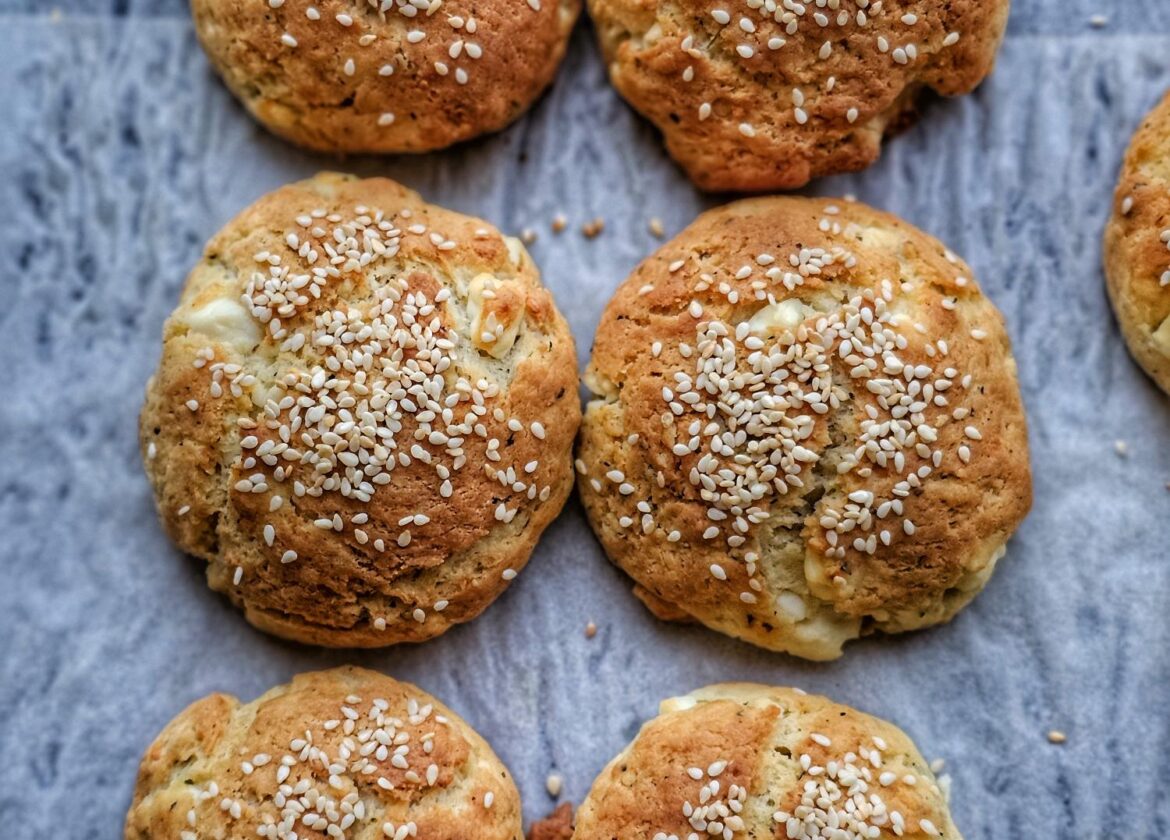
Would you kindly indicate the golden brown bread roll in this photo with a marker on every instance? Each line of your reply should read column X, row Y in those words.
column 364, row 413
column 347, row 754
column 760, row 94
column 738, row 761
column 385, row 75
column 1137, row 246
column 806, row 426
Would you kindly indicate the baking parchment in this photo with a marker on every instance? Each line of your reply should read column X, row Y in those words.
column 120, row 154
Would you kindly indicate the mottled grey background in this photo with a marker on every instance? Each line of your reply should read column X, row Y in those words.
column 120, row 154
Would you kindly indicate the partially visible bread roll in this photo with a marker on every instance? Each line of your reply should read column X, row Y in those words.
column 1137, row 246
column 739, row 761
column 347, row 754
column 753, row 95
column 385, row 75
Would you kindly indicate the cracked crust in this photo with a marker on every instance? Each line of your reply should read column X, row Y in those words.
column 239, row 748
column 693, row 70
column 755, row 738
column 793, row 576
column 1137, row 246
column 474, row 71
column 361, row 585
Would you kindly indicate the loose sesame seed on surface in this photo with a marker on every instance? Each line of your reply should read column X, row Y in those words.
column 553, row 784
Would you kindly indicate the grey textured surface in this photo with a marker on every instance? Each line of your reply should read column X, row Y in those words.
column 120, row 155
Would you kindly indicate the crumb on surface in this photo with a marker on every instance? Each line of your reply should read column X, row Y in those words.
column 556, row 826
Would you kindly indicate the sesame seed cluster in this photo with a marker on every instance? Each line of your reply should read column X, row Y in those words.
column 384, row 763
column 765, row 94
column 785, row 764
column 1137, row 246
column 384, row 75
column 790, row 428
column 382, row 402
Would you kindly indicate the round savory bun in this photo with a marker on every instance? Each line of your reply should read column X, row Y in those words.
column 768, row 95
column 1137, row 246
column 346, row 753
column 385, row 75
column 806, row 426
column 740, row 760
column 364, row 414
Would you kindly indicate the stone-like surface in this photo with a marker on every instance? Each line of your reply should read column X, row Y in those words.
column 120, row 154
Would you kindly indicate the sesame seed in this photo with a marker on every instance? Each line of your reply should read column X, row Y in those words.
column 553, row 784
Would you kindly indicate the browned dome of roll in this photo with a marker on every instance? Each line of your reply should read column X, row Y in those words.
column 756, row 96
column 385, row 75
column 346, row 753
column 364, row 413
column 1137, row 246
column 806, row 426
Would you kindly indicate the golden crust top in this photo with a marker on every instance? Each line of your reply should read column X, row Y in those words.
column 389, row 76
column 347, row 754
column 364, row 413
column 764, row 762
column 766, row 95
column 806, row 425
column 1137, row 246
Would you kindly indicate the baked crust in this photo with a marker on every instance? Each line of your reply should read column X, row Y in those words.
column 556, row 826
column 780, row 758
column 1137, row 246
column 275, row 424
column 757, row 97
column 443, row 73
column 806, row 426
column 216, row 769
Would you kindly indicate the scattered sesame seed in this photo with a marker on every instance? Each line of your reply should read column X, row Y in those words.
column 553, row 784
